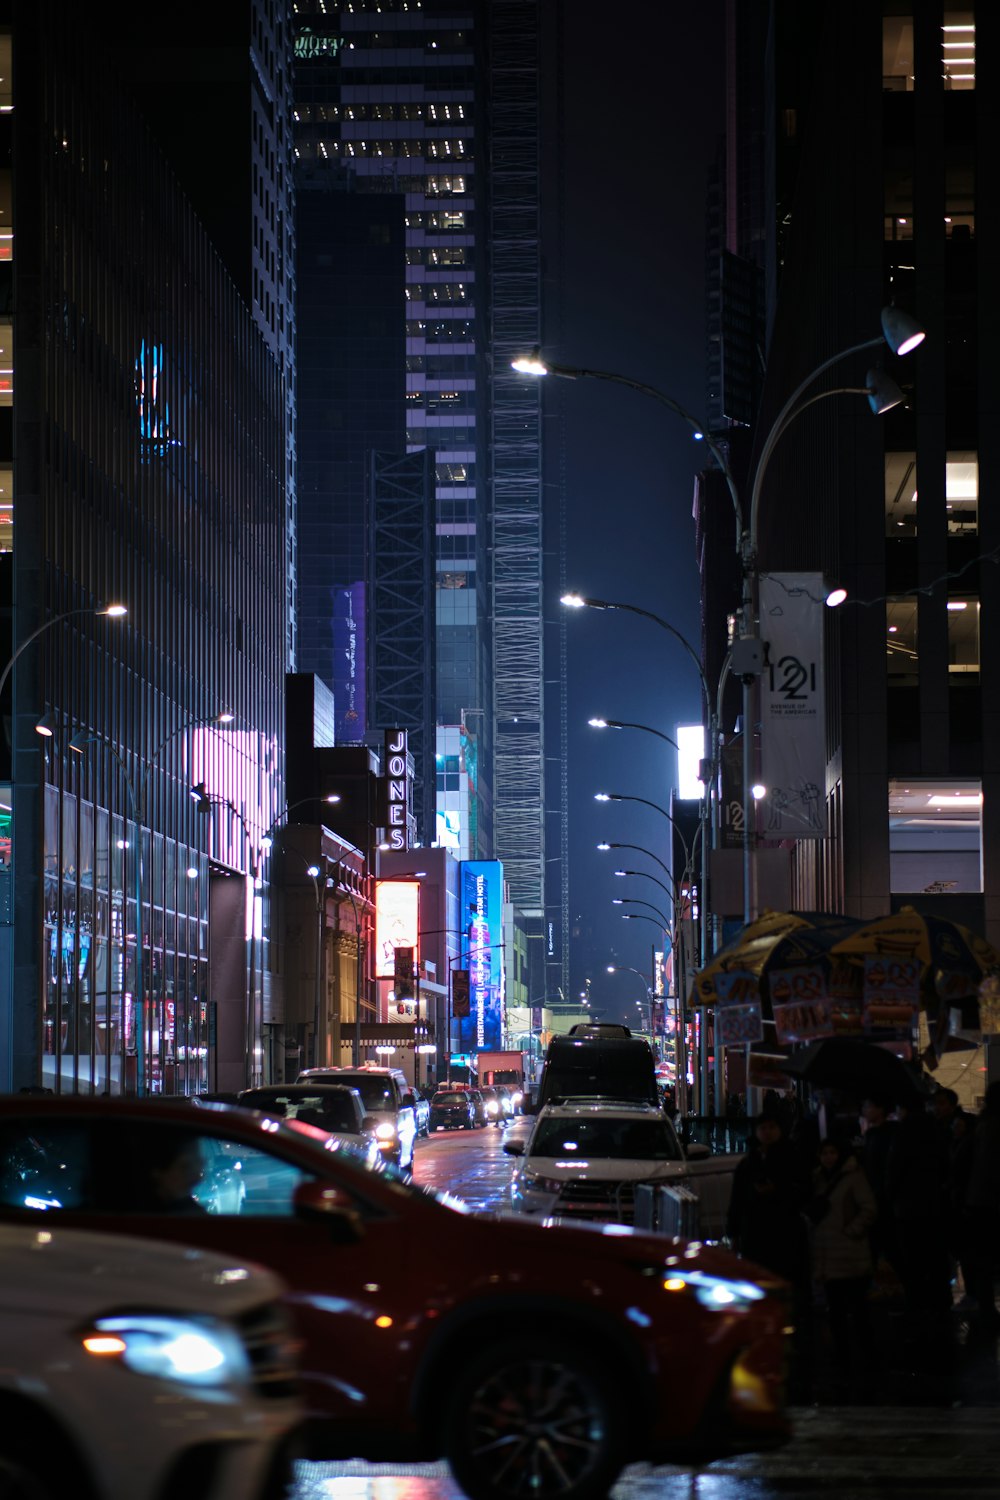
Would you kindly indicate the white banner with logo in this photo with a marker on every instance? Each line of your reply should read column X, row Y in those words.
column 793, row 706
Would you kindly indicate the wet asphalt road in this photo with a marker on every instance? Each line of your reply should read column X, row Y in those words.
column 872, row 1452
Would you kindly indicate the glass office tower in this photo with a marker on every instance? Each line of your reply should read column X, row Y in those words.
column 434, row 107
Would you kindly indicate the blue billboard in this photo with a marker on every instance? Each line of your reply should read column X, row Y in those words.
column 482, row 954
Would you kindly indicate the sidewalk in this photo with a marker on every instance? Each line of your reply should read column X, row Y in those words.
column 928, row 1362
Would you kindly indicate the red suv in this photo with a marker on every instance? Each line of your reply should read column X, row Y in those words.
column 533, row 1358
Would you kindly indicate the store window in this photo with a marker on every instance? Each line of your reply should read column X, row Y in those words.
column 901, row 641
column 935, row 836
column 963, row 640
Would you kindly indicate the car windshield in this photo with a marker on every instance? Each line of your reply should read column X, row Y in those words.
column 604, row 1138
column 328, row 1111
column 449, row 1101
column 376, row 1092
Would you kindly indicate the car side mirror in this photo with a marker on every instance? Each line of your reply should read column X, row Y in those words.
column 514, row 1148
column 697, row 1151
column 322, row 1203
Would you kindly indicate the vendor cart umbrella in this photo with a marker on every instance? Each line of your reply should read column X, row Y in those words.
column 777, row 939
column 953, row 959
column 862, row 1069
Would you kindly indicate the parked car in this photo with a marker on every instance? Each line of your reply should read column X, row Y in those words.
column 583, row 1160
column 422, row 1111
column 479, row 1115
column 428, row 1331
column 451, row 1109
column 334, row 1108
column 128, row 1364
column 385, row 1094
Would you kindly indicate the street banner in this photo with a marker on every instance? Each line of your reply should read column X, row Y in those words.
column 460, row 994
column 738, row 1025
column 793, row 706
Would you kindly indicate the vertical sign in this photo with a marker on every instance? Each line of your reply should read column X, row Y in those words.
column 349, row 671
column 793, row 709
column 397, row 790
column 482, row 920
column 403, row 973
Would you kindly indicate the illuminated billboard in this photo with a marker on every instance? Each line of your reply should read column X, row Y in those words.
column 397, row 913
column 691, row 752
column 482, row 954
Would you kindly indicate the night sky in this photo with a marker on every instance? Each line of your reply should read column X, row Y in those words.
column 642, row 117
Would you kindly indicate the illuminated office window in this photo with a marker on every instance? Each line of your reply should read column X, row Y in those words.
column 958, row 49
column 963, row 639
column 901, row 641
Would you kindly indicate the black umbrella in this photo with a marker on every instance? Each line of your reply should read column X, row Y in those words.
column 857, row 1067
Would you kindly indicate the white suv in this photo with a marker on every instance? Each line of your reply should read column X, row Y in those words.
column 133, row 1369
column 583, row 1160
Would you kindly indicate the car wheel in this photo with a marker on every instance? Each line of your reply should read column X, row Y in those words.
column 534, row 1416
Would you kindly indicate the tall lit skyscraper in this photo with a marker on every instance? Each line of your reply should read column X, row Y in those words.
column 434, row 105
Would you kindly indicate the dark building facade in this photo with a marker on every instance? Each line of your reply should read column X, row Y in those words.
column 884, row 194
column 149, row 460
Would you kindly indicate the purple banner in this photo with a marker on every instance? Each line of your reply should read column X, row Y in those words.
column 349, row 663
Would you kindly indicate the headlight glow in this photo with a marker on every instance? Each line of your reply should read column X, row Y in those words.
column 717, row 1293
column 170, row 1348
column 385, row 1131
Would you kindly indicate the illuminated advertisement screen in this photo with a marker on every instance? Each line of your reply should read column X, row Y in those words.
column 397, row 906
column 482, row 953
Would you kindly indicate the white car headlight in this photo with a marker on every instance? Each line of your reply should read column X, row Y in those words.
column 170, row 1348
column 491, row 1107
column 385, row 1131
column 718, row 1293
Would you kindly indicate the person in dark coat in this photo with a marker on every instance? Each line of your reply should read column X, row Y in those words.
column 842, row 1212
column 769, row 1194
column 982, row 1200
column 767, row 1224
column 879, row 1132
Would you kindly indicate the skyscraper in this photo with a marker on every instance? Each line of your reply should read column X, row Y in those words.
column 434, row 107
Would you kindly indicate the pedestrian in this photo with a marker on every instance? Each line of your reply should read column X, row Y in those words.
column 766, row 1223
column 982, row 1201
column 917, row 1188
column 879, row 1131
column 843, row 1212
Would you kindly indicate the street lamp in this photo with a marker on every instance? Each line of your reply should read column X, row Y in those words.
column 645, row 875
column 627, row 724
column 637, row 901
column 604, row 846
column 626, row 797
column 137, row 789
column 902, row 334
column 712, row 713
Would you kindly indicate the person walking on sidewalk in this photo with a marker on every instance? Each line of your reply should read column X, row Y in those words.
column 843, row 1212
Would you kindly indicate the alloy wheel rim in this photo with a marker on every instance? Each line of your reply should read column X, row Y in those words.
column 538, row 1427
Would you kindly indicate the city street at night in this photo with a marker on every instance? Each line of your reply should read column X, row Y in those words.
column 845, row 1452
